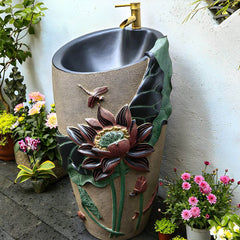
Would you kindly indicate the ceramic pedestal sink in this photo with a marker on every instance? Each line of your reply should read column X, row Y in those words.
column 107, row 70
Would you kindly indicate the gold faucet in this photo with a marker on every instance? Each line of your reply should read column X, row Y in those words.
column 135, row 18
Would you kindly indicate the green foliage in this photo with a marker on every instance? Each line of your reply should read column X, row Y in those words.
column 178, row 198
column 15, row 89
column 7, row 121
column 164, row 226
column 16, row 22
column 43, row 170
column 228, row 227
column 179, row 238
column 222, row 9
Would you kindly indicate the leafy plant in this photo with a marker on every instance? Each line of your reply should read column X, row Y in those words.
column 41, row 171
column 16, row 22
column 165, row 226
column 7, row 121
column 195, row 199
column 222, row 9
column 179, row 238
column 37, row 123
column 227, row 227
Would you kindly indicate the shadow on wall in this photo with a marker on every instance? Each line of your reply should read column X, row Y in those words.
column 189, row 130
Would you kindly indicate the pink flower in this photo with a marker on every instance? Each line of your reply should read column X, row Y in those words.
column 22, row 145
column 36, row 96
column 193, row 201
column 207, row 216
column 195, row 211
column 186, row 185
column 238, row 205
column 160, row 184
column 39, row 104
column 33, row 110
column 51, row 121
column 206, row 190
column 204, row 184
column 186, row 214
column 206, row 163
column 185, row 176
column 18, row 107
column 212, row 198
column 224, row 179
column 32, row 143
column 198, row 179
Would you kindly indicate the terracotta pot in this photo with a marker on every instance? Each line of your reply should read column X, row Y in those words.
column 162, row 236
column 197, row 234
column 7, row 151
column 39, row 185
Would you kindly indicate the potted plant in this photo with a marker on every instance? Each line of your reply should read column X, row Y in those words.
column 7, row 121
column 37, row 123
column 38, row 173
column 227, row 227
column 221, row 9
column 196, row 199
column 165, row 228
column 17, row 21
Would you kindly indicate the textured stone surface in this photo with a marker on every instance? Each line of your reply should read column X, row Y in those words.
column 25, row 215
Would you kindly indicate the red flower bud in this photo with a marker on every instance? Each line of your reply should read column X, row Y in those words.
column 174, row 169
column 226, row 170
column 206, row 163
column 238, row 182
column 238, row 205
column 232, row 180
column 160, row 184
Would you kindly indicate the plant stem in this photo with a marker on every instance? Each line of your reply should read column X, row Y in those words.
column 114, row 205
column 122, row 194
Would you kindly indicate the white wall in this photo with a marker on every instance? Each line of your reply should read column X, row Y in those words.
column 205, row 123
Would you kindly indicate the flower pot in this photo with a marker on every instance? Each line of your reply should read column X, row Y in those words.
column 39, row 185
column 197, row 234
column 7, row 151
column 59, row 171
column 163, row 236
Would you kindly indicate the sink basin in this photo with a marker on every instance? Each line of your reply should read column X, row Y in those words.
column 105, row 50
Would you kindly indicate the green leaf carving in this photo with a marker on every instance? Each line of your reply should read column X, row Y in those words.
column 88, row 203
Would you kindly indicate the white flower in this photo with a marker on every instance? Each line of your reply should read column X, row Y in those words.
column 213, row 231
column 228, row 234
column 236, row 228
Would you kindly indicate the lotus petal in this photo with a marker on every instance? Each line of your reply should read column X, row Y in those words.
column 75, row 135
column 88, row 153
column 119, row 148
column 91, row 163
column 124, row 117
column 139, row 164
column 140, row 150
column 99, row 175
column 105, row 117
column 143, row 131
column 109, row 164
column 133, row 133
column 102, row 153
column 94, row 123
column 87, row 132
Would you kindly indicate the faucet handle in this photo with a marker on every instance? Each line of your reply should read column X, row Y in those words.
column 134, row 5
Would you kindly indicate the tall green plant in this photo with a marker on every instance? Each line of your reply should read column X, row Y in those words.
column 16, row 22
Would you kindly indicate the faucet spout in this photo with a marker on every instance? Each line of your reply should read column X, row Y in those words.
column 135, row 18
column 127, row 22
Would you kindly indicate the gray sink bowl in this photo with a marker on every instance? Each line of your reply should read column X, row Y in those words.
column 105, row 50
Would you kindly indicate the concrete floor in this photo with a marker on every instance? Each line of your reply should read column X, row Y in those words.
column 26, row 215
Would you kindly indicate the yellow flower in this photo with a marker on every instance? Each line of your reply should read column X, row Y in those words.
column 228, row 234
column 51, row 120
column 53, row 105
column 34, row 110
column 20, row 119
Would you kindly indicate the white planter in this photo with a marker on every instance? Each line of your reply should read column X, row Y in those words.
column 197, row 234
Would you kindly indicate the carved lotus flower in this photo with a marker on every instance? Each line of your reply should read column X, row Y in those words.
column 107, row 140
